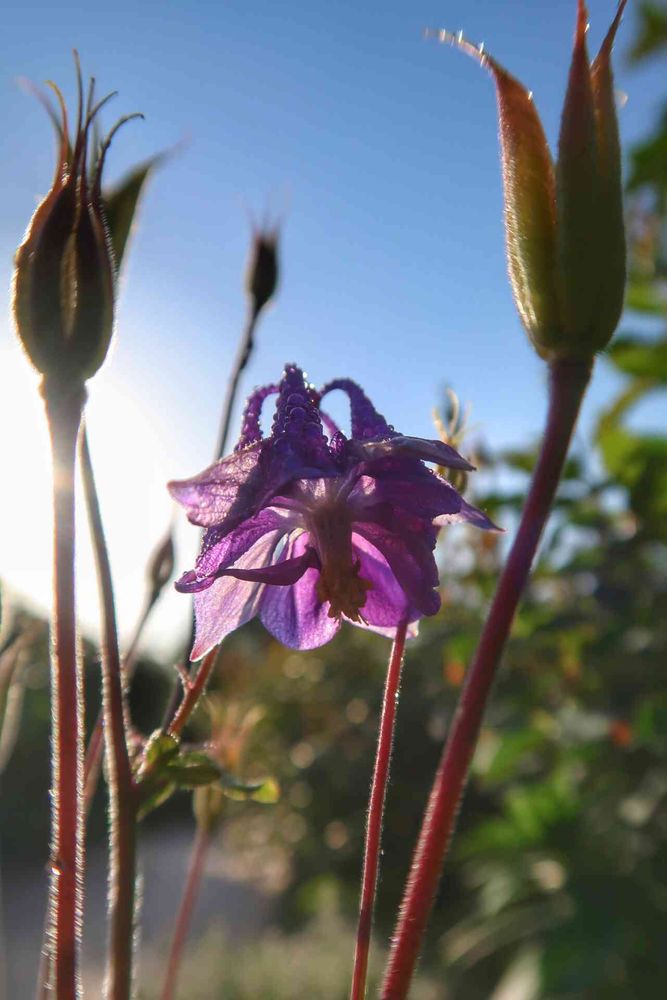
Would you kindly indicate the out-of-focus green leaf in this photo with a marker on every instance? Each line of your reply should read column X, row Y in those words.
column 192, row 769
column 121, row 204
column 652, row 33
column 648, row 161
column 266, row 790
column 645, row 297
column 640, row 357
column 513, row 750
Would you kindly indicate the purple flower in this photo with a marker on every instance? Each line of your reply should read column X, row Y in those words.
column 306, row 528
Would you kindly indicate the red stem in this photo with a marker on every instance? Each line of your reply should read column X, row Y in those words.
column 567, row 385
column 193, row 692
column 64, row 407
column 375, row 812
column 122, row 797
column 192, row 882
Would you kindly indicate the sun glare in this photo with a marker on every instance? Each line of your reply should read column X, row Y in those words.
column 131, row 467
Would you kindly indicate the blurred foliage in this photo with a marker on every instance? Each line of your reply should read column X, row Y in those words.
column 557, row 885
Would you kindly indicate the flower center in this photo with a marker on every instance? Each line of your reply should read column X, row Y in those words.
column 339, row 582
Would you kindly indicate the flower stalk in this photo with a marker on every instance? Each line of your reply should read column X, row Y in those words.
column 64, row 407
column 567, row 385
column 192, row 883
column 376, row 802
column 122, row 790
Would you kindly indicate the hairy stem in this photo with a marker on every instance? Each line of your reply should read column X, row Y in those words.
column 192, row 883
column 193, row 691
column 64, row 406
column 567, row 385
column 122, row 797
column 376, row 802
column 93, row 759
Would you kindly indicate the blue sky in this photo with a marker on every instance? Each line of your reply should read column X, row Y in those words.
column 378, row 149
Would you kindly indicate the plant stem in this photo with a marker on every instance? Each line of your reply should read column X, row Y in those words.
column 567, row 385
column 122, row 792
column 375, row 813
column 246, row 344
column 193, row 691
column 93, row 759
column 64, row 406
column 192, row 883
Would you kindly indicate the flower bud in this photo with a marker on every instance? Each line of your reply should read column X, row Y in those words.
column 564, row 227
column 64, row 278
column 262, row 273
column 161, row 564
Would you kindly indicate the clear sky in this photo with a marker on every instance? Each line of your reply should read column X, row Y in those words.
column 378, row 148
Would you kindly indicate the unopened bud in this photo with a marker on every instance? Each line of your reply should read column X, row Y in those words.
column 160, row 567
column 262, row 273
column 564, row 226
column 64, row 279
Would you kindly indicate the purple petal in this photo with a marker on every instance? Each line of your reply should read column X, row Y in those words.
column 227, row 603
column 414, row 488
column 229, row 487
column 467, row 515
column 298, row 444
column 283, row 573
column 251, row 431
column 295, row 615
column 407, row 545
column 411, row 447
column 221, row 548
column 366, row 422
column 386, row 603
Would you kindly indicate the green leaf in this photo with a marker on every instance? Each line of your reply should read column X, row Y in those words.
column 640, row 357
column 266, row 791
column 645, row 297
column 162, row 791
column 193, row 769
column 160, row 748
column 121, row 204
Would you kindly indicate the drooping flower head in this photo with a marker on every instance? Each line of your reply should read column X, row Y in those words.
column 308, row 528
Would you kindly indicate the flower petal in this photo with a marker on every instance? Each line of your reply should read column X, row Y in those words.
column 386, row 603
column 468, row 514
column 407, row 545
column 295, row 615
column 231, row 488
column 424, row 449
column 221, row 548
column 251, row 431
column 366, row 422
column 227, row 604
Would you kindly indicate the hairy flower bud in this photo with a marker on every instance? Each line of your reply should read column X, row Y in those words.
column 564, row 226
column 64, row 278
column 262, row 274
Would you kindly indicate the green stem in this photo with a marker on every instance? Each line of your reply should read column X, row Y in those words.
column 122, row 792
column 64, row 406
column 376, row 802
column 567, row 385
